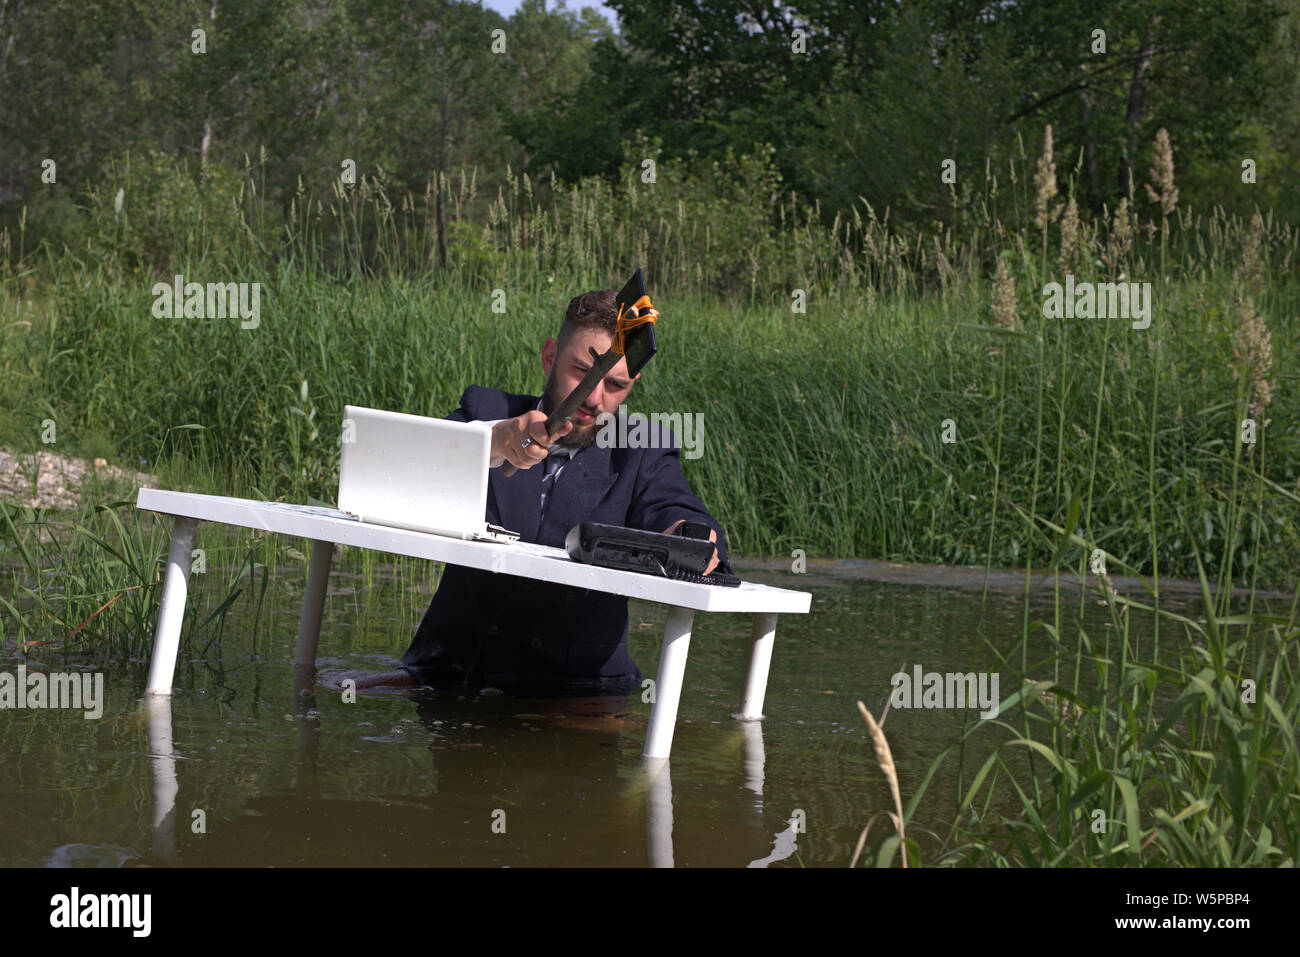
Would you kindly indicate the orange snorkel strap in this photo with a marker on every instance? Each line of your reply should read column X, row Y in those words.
column 639, row 314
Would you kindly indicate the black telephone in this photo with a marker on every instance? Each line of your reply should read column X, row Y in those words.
column 682, row 556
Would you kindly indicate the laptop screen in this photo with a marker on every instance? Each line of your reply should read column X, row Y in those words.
column 415, row 472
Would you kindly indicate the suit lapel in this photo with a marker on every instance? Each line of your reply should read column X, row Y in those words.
column 578, row 490
column 513, row 502
column 517, row 499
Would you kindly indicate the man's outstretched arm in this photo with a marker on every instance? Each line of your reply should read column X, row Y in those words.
column 663, row 498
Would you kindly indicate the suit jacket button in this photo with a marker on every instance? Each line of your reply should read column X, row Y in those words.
column 493, row 630
column 537, row 642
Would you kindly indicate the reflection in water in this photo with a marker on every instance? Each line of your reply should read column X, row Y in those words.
column 782, row 848
column 308, row 720
column 754, row 757
column 492, row 800
column 89, row 855
column 659, row 811
column 162, row 762
column 289, row 774
column 583, row 762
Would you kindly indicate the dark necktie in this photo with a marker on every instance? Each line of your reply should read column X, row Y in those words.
column 553, row 463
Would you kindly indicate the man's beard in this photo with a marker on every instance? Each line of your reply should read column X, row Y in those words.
column 582, row 434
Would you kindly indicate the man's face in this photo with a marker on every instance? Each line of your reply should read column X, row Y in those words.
column 564, row 370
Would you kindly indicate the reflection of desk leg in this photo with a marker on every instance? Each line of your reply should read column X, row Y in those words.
column 760, row 660
column 659, row 811
column 755, row 758
column 313, row 604
column 162, row 762
column 668, row 688
column 171, row 611
column 308, row 719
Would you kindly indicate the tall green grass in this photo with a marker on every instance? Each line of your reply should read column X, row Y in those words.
column 822, row 431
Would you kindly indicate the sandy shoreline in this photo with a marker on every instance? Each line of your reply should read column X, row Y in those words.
column 60, row 481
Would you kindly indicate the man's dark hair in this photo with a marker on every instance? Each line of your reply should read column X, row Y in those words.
column 592, row 310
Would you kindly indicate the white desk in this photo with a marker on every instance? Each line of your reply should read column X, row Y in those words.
column 327, row 526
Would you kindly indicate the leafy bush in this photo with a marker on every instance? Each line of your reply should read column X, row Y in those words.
column 150, row 214
column 716, row 214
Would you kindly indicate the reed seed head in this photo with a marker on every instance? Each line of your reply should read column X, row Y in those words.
column 1162, row 174
column 1004, row 297
column 1121, row 234
column 1070, row 236
column 885, row 758
column 1251, row 270
column 1045, row 183
column 1253, row 348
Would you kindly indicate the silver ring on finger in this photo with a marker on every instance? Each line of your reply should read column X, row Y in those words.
column 525, row 443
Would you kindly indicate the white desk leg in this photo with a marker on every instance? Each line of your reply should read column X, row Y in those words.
column 171, row 611
column 760, row 660
column 318, row 575
column 668, row 687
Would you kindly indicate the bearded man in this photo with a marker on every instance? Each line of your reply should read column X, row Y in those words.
column 532, row 638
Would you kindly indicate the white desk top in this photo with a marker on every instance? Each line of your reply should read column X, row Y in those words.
column 521, row 558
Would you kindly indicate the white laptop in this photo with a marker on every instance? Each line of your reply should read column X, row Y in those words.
column 410, row 471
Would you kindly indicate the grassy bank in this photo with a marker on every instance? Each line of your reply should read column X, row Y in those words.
column 865, row 391
column 910, row 427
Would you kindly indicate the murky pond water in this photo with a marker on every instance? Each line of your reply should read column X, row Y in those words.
column 244, row 767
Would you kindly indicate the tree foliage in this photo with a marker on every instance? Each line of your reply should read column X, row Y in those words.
column 854, row 98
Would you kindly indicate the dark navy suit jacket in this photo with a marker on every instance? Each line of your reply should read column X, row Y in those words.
column 535, row 638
